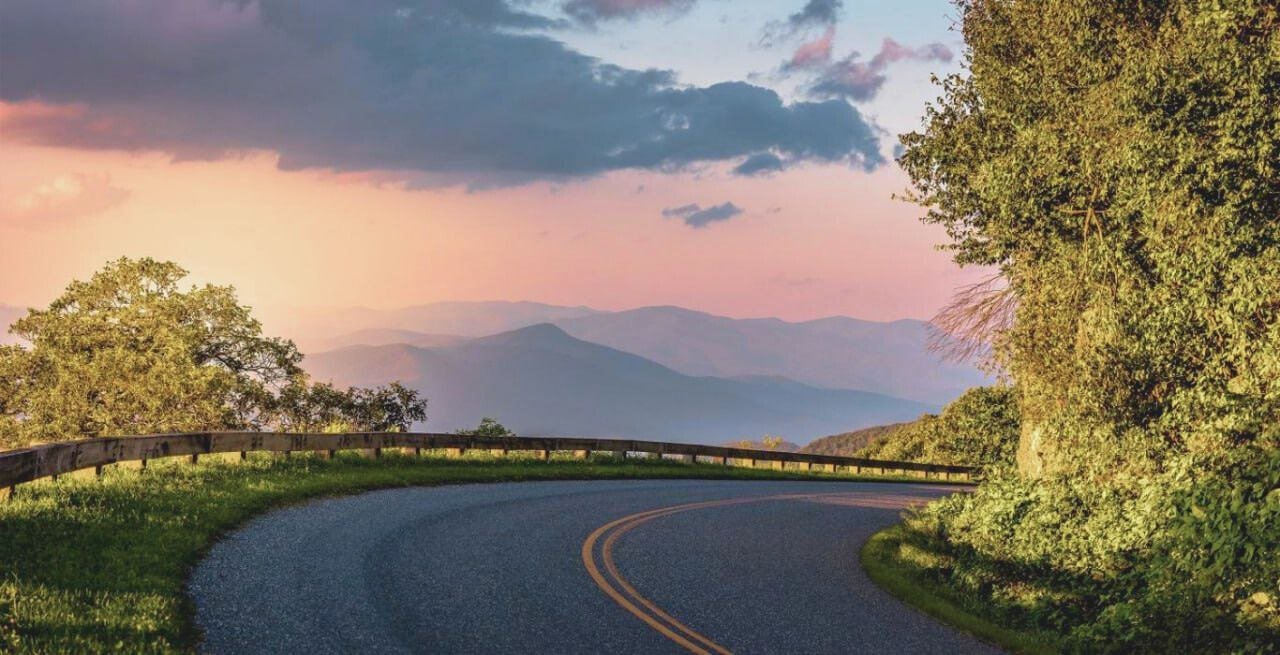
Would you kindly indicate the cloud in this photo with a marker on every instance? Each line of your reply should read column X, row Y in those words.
column 441, row 91
column 65, row 197
column 594, row 11
column 812, row 54
column 815, row 13
column 852, row 79
column 760, row 163
column 696, row 217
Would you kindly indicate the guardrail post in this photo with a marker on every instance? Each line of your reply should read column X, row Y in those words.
column 97, row 470
column 244, row 455
column 195, row 458
column 724, row 461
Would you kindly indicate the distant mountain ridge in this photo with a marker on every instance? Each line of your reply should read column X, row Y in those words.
column 539, row 380
column 891, row 358
column 837, row 352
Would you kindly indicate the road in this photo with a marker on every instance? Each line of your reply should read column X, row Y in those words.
column 639, row 566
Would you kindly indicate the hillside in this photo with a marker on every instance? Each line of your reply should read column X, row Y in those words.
column 849, row 443
column 313, row 329
column 839, row 352
column 384, row 336
column 539, row 380
column 891, row 358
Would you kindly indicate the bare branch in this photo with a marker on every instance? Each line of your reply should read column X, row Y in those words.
column 965, row 329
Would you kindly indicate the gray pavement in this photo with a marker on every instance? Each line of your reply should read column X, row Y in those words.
column 498, row 569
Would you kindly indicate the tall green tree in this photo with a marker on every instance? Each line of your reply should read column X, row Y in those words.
column 129, row 352
column 1119, row 163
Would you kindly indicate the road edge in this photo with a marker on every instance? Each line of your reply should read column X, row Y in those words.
column 903, row 580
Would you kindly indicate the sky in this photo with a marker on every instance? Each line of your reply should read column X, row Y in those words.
column 729, row 156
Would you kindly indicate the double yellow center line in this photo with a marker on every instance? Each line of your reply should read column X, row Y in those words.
column 604, row 571
column 616, row 586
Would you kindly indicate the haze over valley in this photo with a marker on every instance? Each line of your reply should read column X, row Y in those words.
column 653, row 372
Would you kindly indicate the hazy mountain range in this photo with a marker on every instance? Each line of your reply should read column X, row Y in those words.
column 653, row 372
column 838, row 352
column 540, row 380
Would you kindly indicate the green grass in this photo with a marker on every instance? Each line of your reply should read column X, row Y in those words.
column 904, row 565
column 94, row 565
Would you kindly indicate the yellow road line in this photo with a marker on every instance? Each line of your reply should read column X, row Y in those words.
column 635, row 603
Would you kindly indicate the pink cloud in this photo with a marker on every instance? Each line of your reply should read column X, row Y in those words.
column 814, row 53
column 65, row 197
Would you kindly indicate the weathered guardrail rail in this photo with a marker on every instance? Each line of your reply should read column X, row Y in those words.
column 47, row 460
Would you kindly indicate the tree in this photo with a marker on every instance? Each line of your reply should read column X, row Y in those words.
column 769, row 442
column 321, row 407
column 488, row 428
column 1119, row 164
column 980, row 428
column 127, row 352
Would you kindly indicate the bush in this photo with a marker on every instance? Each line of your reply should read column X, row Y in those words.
column 1186, row 561
column 980, row 428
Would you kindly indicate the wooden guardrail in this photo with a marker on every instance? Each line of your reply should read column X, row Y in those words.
column 49, row 460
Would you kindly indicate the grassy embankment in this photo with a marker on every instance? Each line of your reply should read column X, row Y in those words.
column 905, row 564
column 94, row 565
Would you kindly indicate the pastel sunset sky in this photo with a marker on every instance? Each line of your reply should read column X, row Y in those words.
column 729, row 156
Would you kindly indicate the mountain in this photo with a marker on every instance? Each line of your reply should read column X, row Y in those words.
column 384, row 336
column 539, row 380
column 849, row 443
column 314, row 329
column 839, row 352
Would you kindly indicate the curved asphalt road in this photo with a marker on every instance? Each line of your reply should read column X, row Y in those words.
column 500, row 569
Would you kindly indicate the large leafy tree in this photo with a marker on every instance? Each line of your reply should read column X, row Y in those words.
column 130, row 352
column 1119, row 163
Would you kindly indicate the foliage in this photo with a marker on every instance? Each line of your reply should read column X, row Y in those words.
column 320, row 407
column 1185, row 561
column 849, row 443
column 1118, row 163
column 980, row 428
column 99, row 565
column 488, row 428
column 128, row 352
column 771, row 442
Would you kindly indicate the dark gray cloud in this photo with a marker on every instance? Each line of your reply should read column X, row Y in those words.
column 852, row 79
column 815, row 13
column 695, row 216
column 443, row 91
column 594, row 11
column 759, row 164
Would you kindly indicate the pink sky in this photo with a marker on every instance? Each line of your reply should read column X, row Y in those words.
column 96, row 155
column 813, row 241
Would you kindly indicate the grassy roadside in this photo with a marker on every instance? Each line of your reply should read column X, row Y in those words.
column 901, row 562
column 96, row 565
